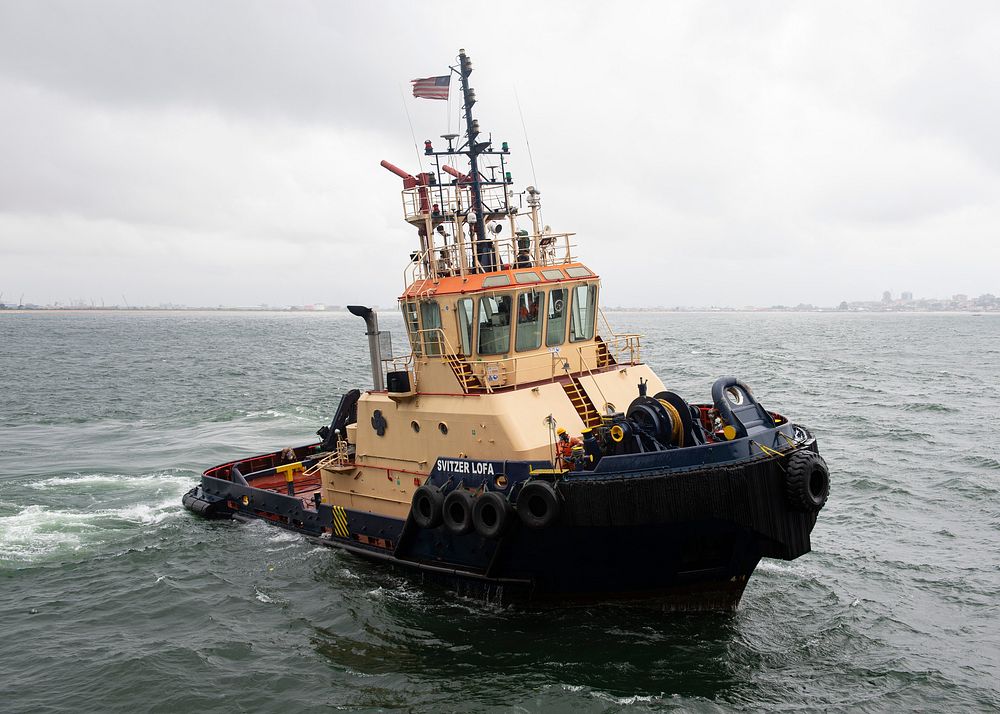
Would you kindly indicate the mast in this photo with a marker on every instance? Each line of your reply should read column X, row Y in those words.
column 474, row 200
column 485, row 255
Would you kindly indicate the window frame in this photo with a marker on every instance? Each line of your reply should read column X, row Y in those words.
column 539, row 319
column 433, row 344
column 467, row 350
column 565, row 300
column 592, row 300
column 497, row 297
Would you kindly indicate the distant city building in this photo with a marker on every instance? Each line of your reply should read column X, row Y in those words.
column 906, row 297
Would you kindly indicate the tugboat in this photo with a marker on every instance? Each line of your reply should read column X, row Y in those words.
column 520, row 452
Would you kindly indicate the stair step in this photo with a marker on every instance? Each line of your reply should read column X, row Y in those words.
column 581, row 402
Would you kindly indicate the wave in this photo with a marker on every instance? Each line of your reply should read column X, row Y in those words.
column 982, row 460
column 87, row 480
column 300, row 414
column 928, row 407
column 36, row 532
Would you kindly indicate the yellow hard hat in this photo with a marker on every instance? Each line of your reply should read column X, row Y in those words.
column 560, row 430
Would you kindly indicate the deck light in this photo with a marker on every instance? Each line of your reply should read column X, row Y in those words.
column 508, row 177
column 504, row 148
column 428, row 149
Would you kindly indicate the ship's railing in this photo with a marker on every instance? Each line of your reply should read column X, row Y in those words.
column 437, row 262
column 428, row 342
column 433, row 342
column 446, row 207
column 516, row 370
column 448, row 201
column 626, row 347
column 402, row 363
column 434, row 262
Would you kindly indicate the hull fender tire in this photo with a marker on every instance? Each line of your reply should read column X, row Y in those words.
column 538, row 504
column 457, row 512
column 491, row 514
column 807, row 481
column 427, row 506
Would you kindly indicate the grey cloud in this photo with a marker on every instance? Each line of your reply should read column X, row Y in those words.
column 210, row 145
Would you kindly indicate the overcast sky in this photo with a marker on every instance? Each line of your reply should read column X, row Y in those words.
column 706, row 153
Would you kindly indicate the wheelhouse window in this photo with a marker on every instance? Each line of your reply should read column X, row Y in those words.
column 581, row 326
column 410, row 317
column 494, row 324
column 464, row 311
column 430, row 316
column 529, row 321
column 555, row 329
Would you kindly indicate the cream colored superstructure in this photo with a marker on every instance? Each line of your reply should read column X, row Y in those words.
column 462, row 403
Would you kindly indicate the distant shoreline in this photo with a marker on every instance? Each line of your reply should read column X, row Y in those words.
column 653, row 310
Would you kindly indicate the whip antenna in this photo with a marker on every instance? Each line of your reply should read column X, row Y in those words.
column 527, row 144
column 413, row 134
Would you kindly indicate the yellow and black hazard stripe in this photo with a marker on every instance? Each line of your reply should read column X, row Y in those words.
column 340, row 522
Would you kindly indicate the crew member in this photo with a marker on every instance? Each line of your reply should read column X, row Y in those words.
column 564, row 448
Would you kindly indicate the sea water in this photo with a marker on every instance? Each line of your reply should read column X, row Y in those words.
column 113, row 598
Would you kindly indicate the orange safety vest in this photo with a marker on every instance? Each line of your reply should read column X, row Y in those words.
column 564, row 447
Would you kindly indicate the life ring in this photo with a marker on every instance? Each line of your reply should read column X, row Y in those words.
column 538, row 504
column 426, row 506
column 807, row 481
column 457, row 511
column 490, row 514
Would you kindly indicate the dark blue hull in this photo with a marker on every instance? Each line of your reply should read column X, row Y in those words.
column 680, row 538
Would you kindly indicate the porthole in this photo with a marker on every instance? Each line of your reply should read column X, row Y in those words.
column 443, row 428
column 501, row 482
column 415, row 425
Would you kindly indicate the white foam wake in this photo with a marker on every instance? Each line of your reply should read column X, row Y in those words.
column 40, row 531
column 154, row 481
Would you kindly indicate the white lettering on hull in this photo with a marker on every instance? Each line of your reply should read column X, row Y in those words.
column 476, row 468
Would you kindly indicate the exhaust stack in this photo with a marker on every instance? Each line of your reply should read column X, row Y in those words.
column 371, row 320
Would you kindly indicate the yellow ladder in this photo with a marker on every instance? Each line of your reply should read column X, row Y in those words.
column 581, row 402
column 604, row 356
column 466, row 377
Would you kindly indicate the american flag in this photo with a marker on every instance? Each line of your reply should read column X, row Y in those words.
column 431, row 87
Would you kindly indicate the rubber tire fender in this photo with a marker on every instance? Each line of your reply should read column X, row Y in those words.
column 807, row 481
column 426, row 506
column 491, row 514
column 538, row 504
column 457, row 512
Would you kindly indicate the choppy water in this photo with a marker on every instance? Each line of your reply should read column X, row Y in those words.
column 112, row 598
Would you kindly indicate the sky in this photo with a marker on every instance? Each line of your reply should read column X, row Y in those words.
column 705, row 153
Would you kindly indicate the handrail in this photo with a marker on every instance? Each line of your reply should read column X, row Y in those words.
column 537, row 250
column 529, row 367
column 444, row 339
column 590, row 373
